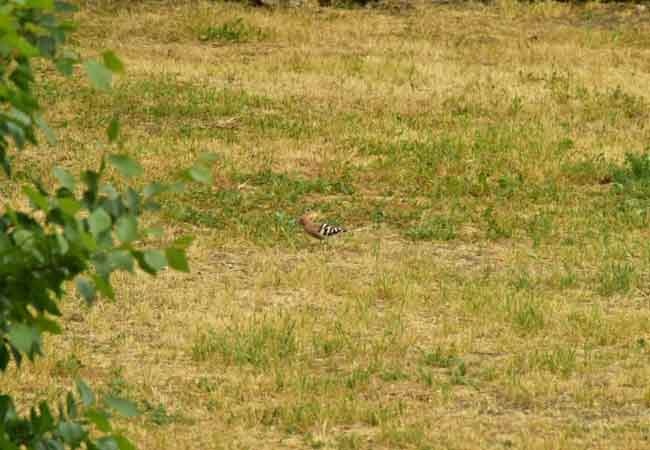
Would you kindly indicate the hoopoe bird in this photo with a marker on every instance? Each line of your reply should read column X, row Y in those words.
column 319, row 231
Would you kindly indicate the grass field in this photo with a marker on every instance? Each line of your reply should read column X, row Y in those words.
column 496, row 293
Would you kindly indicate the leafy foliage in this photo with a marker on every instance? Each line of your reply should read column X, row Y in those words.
column 83, row 230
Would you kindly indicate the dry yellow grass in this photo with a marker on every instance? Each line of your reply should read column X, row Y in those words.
column 497, row 296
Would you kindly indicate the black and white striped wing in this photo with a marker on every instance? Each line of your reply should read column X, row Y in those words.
column 327, row 230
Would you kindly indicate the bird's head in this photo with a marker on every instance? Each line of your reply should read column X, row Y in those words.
column 306, row 218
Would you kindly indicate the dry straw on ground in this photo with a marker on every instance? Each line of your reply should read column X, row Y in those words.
column 500, row 299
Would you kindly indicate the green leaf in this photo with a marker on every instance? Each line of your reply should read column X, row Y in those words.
column 86, row 394
column 113, row 130
column 121, row 259
column 86, row 289
column 155, row 259
column 48, row 325
column 99, row 221
column 115, row 442
column 38, row 199
column 103, row 286
column 183, row 242
column 177, row 259
column 154, row 232
column 49, row 134
column 46, row 5
column 139, row 256
column 127, row 228
column 65, row 7
column 123, row 443
column 126, row 166
column 65, row 66
column 154, row 189
column 113, row 62
column 106, row 443
column 69, row 205
column 88, row 241
column 99, row 75
column 72, row 433
column 25, row 338
column 19, row 43
column 65, row 178
column 201, row 174
column 125, row 407
column 71, row 406
column 99, row 418
column 63, row 244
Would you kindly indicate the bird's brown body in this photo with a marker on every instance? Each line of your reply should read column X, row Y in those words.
column 319, row 231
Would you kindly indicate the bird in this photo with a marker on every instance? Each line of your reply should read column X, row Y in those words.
column 319, row 231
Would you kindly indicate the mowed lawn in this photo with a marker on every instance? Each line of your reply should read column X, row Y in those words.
column 494, row 290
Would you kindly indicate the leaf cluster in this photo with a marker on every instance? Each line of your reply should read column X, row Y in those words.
column 84, row 229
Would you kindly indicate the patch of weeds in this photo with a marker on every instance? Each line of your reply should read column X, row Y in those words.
column 378, row 415
column 377, row 216
column 435, row 228
column 416, row 164
column 314, row 442
column 616, row 279
column 509, row 184
column 495, row 229
column 258, row 343
column 464, row 107
column 194, row 216
column 349, row 441
column 636, row 169
column 392, row 374
column 561, row 361
column 429, row 155
column 559, row 84
column 633, row 177
column 616, row 101
column 69, row 366
column 516, row 105
column 564, row 146
column 117, row 384
column 157, row 414
column 359, row 377
column 641, row 344
column 184, row 102
column 375, row 148
column 494, row 146
column 439, row 358
column 408, row 437
column 525, row 314
column 592, row 327
column 206, row 385
column 213, row 405
column 458, row 374
column 300, row 416
column 568, row 279
column 327, row 345
column 233, row 31
column 539, row 227
column 633, row 212
column 285, row 224
column 426, row 377
column 288, row 188
column 281, row 125
column 522, row 281
column 264, row 228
